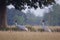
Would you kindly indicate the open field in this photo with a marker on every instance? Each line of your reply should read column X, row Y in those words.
column 15, row 35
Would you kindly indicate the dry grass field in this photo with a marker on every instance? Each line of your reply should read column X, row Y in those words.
column 15, row 35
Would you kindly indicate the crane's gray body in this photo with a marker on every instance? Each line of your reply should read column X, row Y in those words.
column 21, row 27
column 45, row 27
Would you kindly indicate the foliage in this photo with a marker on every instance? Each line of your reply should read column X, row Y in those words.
column 32, row 19
column 53, row 18
column 40, row 30
column 56, row 29
column 4, row 29
column 13, row 14
column 31, row 29
column 19, row 4
column 22, row 18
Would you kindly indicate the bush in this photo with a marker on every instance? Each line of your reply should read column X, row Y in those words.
column 4, row 29
column 40, row 30
column 14, row 29
column 55, row 30
column 31, row 29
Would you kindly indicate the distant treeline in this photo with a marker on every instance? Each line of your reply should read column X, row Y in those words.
column 22, row 18
column 53, row 18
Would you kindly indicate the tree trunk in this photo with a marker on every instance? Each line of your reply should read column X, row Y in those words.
column 3, row 20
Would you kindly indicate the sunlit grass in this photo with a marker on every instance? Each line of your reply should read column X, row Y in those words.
column 15, row 35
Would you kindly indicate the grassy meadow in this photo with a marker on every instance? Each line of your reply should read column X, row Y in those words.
column 30, row 35
column 13, row 35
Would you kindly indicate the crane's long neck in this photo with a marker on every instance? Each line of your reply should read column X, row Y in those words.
column 15, row 24
column 43, row 24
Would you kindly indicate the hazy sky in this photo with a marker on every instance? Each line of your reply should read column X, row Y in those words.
column 38, row 11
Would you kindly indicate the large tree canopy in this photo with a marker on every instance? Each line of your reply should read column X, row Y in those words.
column 19, row 4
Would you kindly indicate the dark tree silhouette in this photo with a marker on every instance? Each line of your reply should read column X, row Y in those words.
column 19, row 4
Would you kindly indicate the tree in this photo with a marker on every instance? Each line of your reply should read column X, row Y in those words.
column 53, row 18
column 2, row 13
column 19, row 4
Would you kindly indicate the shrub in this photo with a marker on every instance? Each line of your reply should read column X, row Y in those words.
column 40, row 30
column 31, row 29
column 55, row 30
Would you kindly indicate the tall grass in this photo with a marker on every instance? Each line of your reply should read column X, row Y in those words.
column 33, row 28
column 15, row 35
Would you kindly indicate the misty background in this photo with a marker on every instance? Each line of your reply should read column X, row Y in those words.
column 50, row 14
